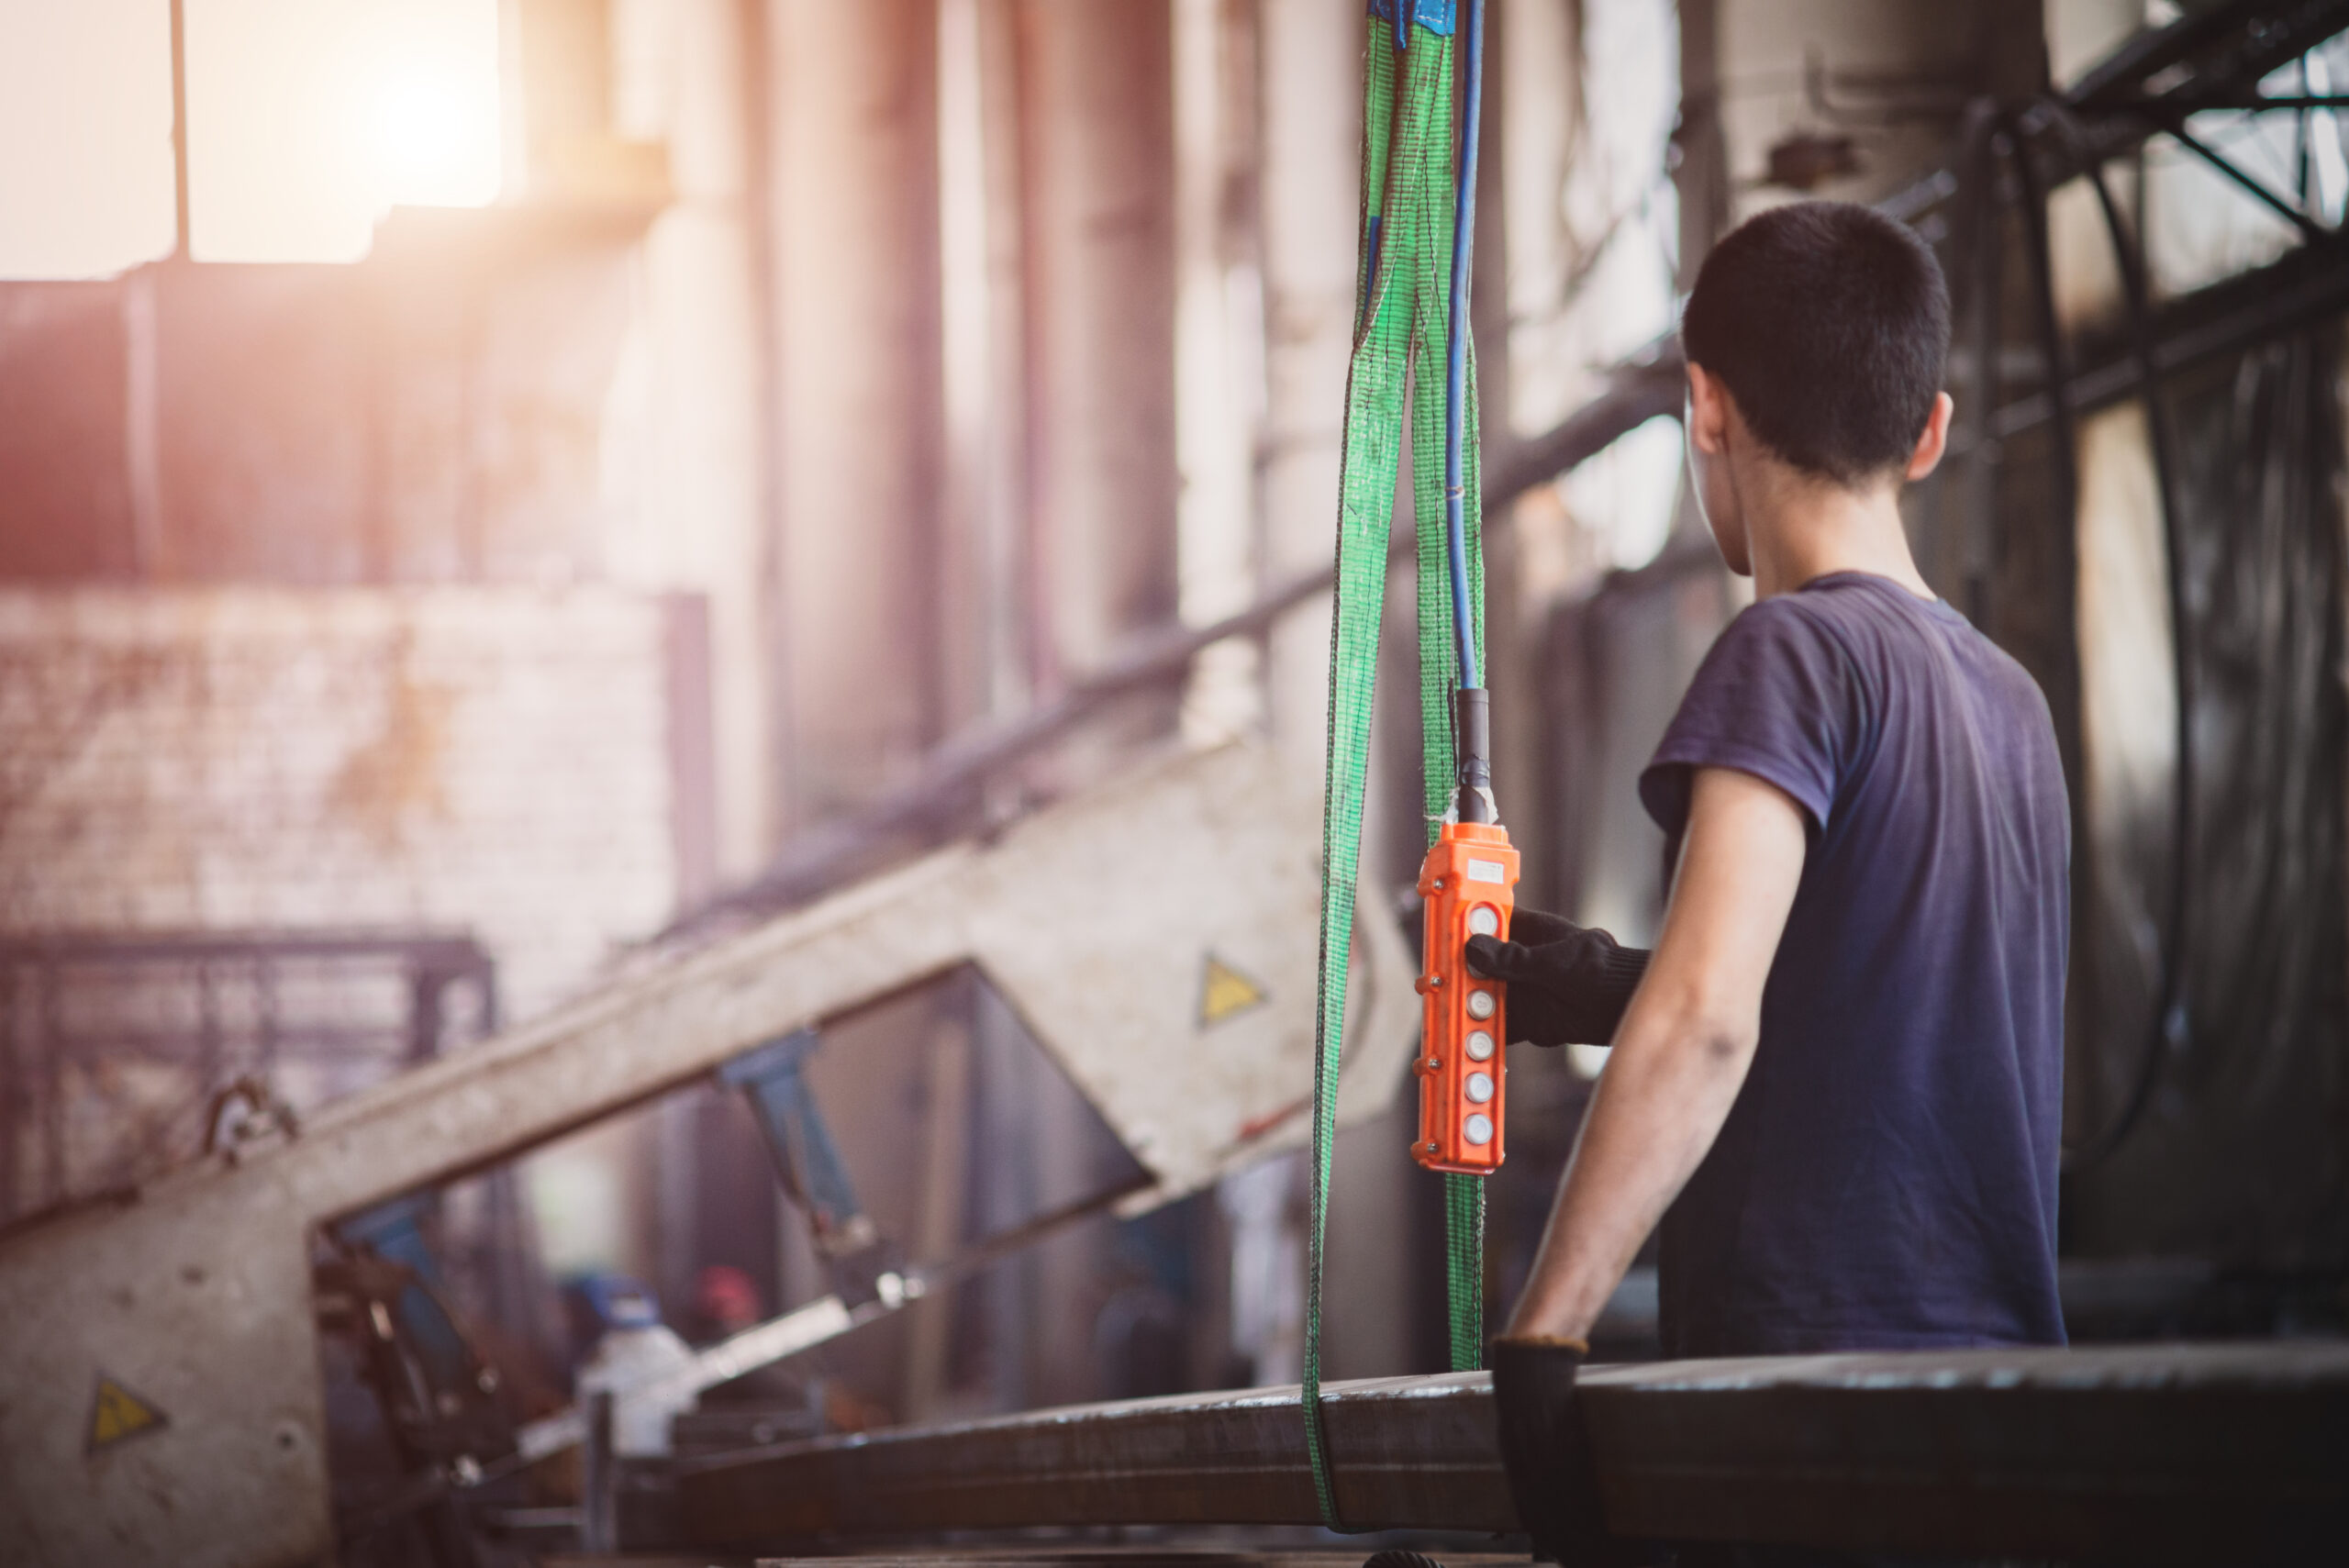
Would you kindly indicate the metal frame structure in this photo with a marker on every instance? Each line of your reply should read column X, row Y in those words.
column 197, row 1289
column 2211, row 61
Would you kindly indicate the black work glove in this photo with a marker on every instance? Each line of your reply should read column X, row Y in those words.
column 1568, row 984
column 1546, row 1451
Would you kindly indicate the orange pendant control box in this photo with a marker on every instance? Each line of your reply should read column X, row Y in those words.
column 1469, row 884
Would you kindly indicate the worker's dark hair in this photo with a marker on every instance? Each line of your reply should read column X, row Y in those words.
column 1828, row 323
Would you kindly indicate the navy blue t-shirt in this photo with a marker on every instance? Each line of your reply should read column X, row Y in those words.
column 1886, row 1178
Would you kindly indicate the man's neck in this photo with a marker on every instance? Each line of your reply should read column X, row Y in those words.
column 1800, row 528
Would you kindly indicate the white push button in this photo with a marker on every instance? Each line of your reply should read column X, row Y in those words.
column 1479, row 1046
column 1479, row 1087
column 1484, row 921
column 1480, row 1004
column 1477, row 1129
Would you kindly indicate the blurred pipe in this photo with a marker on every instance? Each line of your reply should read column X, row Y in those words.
column 179, row 129
column 2172, row 1024
column 759, row 131
column 974, row 594
column 1309, row 139
column 1217, row 427
column 142, row 374
column 142, row 421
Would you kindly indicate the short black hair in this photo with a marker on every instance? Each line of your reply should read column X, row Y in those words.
column 1828, row 323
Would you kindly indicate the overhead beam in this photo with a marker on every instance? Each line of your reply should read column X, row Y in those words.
column 2211, row 58
column 827, row 855
column 2153, row 1454
column 2238, row 42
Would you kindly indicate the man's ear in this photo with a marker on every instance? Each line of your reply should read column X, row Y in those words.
column 1933, row 440
column 1708, row 411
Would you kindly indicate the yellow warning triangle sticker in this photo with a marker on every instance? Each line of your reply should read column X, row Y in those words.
column 1224, row 990
column 116, row 1413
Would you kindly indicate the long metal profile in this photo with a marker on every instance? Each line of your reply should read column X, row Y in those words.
column 2154, row 1454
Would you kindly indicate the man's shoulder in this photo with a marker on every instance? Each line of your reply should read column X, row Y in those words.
column 1778, row 697
column 1884, row 629
column 1857, row 607
column 1790, row 628
column 1798, row 651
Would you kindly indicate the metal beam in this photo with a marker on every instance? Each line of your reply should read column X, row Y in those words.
column 2235, row 44
column 1650, row 386
column 2175, row 124
column 2156, row 1454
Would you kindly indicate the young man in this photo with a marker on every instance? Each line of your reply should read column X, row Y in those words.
column 1837, row 1084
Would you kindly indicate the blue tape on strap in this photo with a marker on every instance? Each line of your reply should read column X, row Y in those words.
column 1438, row 17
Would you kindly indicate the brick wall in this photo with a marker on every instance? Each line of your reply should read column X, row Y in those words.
column 490, row 759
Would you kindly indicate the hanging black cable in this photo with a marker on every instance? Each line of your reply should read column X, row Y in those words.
column 2063, row 455
column 2170, row 1019
column 1980, row 245
column 2063, row 449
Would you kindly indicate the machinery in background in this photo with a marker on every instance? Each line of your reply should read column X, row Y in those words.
column 130, row 1050
column 164, row 1359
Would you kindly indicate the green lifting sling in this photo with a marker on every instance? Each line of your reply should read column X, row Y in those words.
column 1405, row 297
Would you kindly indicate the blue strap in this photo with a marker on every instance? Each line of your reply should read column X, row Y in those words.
column 806, row 1157
column 1438, row 17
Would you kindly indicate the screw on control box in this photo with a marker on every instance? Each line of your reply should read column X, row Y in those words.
column 1469, row 882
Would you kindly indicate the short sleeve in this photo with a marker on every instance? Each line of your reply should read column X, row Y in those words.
column 1778, row 697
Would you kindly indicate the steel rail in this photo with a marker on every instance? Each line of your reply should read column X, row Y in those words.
column 2153, row 1454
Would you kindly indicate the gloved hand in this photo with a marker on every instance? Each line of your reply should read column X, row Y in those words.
column 1546, row 1451
column 1568, row 984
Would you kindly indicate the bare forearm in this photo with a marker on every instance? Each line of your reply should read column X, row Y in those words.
column 1674, row 1074
column 1682, row 1053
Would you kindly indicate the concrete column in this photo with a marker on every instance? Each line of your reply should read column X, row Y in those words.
column 1218, row 356
column 1310, row 206
column 1095, row 121
column 1097, row 134
column 685, row 503
column 984, row 496
column 853, row 210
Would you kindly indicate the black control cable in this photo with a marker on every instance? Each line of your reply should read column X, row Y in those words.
column 2171, row 1023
